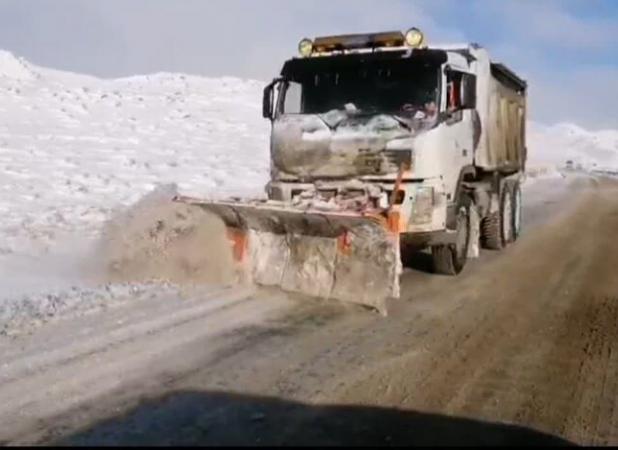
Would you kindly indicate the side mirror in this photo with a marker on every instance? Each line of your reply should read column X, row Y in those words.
column 267, row 101
column 468, row 91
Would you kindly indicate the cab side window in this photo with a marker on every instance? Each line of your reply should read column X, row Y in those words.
column 453, row 91
column 293, row 98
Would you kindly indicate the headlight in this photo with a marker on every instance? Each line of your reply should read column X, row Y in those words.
column 415, row 38
column 305, row 47
column 422, row 206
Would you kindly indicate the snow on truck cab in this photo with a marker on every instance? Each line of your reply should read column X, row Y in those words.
column 386, row 109
column 382, row 143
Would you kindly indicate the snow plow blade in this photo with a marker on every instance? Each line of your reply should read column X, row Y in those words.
column 339, row 255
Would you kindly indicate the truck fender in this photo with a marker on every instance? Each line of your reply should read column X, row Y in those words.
column 467, row 173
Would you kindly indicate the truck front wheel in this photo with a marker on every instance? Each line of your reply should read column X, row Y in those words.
column 450, row 259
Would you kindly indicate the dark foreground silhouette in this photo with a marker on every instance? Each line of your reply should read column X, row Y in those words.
column 215, row 418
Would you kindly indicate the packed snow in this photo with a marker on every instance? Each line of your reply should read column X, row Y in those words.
column 22, row 312
column 74, row 148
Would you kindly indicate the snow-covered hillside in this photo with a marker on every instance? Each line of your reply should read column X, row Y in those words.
column 564, row 142
column 73, row 147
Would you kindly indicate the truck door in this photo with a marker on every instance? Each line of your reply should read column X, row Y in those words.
column 461, row 126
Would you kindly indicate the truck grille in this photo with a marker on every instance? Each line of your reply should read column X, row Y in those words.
column 395, row 158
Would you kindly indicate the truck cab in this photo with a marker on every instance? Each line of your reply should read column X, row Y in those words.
column 423, row 130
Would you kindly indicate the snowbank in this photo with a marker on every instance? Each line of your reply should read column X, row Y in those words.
column 18, row 314
column 15, row 68
column 558, row 144
column 73, row 148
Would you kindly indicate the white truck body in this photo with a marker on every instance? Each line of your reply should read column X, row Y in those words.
column 378, row 147
column 470, row 145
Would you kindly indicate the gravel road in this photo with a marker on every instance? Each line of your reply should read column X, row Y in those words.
column 521, row 348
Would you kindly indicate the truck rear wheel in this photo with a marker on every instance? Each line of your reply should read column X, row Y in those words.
column 507, row 215
column 450, row 259
column 497, row 227
column 491, row 236
column 517, row 210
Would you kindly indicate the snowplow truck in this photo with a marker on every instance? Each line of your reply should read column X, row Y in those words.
column 381, row 144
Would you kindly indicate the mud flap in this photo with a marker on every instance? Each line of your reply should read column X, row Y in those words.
column 475, row 233
column 339, row 256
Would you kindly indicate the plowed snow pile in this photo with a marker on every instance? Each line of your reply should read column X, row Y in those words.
column 162, row 240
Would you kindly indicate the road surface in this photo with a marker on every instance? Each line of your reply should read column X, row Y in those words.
column 521, row 348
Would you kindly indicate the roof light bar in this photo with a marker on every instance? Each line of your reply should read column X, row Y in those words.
column 413, row 38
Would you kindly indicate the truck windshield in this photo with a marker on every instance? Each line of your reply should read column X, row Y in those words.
column 394, row 87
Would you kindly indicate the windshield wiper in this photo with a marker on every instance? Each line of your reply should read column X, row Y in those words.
column 403, row 122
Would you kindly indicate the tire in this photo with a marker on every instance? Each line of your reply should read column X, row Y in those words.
column 491, row 237
column 497, row 227
column 506, row 205
column 517, row 210
column 450, row 259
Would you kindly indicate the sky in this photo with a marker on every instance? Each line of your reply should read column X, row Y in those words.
column 565, row 49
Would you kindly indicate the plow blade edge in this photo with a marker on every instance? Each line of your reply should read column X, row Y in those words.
column 334, row 255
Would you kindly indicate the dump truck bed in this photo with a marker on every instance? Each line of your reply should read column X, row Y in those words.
column 501, row 104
